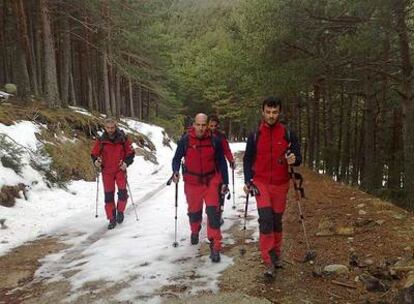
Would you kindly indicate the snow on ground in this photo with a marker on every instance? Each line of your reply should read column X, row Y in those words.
column 137, row 254
column 4, row 96
column 80, row 110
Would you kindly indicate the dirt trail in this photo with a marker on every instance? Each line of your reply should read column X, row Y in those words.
column 349, row 222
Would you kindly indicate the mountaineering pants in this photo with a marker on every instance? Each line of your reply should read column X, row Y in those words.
column 271, row 204
column 109, row 180
column 198, row 193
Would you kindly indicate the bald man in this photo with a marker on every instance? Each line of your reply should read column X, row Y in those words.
column 204, row 171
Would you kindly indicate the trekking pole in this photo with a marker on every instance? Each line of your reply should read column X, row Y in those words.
column 243, row 249
column 175, row 243
column 97, row 194
column 310, row 254
column 234, row 198
column 130, row 194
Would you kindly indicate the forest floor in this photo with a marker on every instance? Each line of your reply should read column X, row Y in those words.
column 372, row 238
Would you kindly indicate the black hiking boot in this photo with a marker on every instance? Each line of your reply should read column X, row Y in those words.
column 278, row 263
column 112, row 224
column 194, row 238
column 269, row 273
column 120, row 217
column 276, row 260
column 214, row 254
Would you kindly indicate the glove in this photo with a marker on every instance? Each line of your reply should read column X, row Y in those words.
column 251, row 188
column 233, row 165
column 98, row 163
column 176, row 177
column 290, row 157
column 123, row 166
column 224, row 189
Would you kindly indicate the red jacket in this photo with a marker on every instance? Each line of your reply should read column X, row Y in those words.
column 270, row 164
column 225, row 145
column 202, row 160
column 113, row 151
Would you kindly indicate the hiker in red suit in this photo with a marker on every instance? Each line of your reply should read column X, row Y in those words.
column 113, row 153
column 204, row 170
column 214, row 127
column 269, row 153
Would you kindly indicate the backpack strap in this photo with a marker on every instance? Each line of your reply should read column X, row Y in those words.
column 256, row 135
column 185, row 139
column 287, row 134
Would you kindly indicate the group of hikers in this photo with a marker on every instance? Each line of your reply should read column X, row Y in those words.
column 201, row 155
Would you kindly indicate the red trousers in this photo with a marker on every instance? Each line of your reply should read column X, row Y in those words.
column 271, row 204
column 109, row 180
column 196, row 194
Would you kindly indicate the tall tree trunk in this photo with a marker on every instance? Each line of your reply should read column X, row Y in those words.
column 20, row 66
column 338, row 155
column 368, row 179
column 51, row 85
column 72, row 90
column 90, row 94
column 333, row 152
column 66, row 60
column 118, row 99
column 315, row 129
column 30, row 41
column 400, row 10
column 357, row 143
column 309, row 141
column 346, row 153
column 131, row 98
column 140, row 97
column 2, row 42
column 325, row 148
column 395, row 166
column 38, row 50
column 147, row 113
column 106, row 85
column 112, row 84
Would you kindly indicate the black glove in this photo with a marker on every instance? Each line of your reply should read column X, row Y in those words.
column 224, row 189
column 252, row 189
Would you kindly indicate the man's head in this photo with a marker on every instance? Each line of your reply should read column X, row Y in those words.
column 213, row 122
column 271, row 109
column 110, row 126
column 200, row 124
